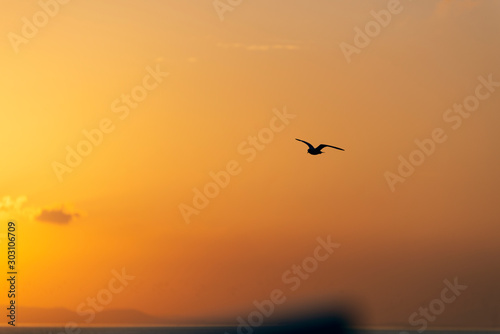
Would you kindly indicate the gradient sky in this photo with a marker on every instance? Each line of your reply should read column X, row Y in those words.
column 120, row 207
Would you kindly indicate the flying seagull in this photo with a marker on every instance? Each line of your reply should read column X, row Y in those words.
column 317, row 150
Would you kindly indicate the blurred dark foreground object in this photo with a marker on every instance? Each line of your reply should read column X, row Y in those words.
column 319, row 324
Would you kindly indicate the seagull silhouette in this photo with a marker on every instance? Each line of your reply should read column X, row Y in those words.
column 317, row 150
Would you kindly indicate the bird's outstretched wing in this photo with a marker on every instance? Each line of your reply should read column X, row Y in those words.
column 323, row 145
column 310, row 146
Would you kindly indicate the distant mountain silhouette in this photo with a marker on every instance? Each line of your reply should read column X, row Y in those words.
column 61, row 316
column 474, row 318
column 37, row 315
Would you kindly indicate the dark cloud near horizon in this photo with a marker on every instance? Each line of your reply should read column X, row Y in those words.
column 57, row 216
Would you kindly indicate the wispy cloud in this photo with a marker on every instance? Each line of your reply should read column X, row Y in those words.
column 57, row 216
column 8, row 203
column 259, row 47
column 454, row 7
column 12, row 208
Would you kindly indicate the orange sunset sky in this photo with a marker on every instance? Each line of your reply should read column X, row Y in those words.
column 221, row 77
